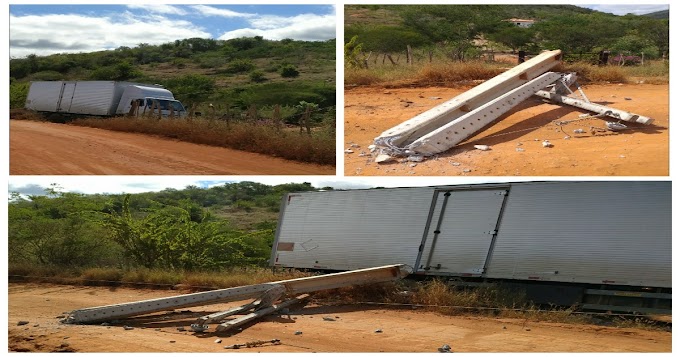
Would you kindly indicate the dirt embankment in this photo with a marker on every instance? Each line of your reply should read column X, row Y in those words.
column 352, row 329
column 516, row 139
column 38, row 148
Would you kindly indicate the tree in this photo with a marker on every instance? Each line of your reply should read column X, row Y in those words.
column 513, row 36
column 191, row 88
column 352, row 53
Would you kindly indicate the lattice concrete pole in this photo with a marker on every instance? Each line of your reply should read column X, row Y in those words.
column 292, row 286
column 407, row 132
column 596, row 108
column 452, row 133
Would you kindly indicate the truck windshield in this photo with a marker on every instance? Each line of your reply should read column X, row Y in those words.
column 165, row 104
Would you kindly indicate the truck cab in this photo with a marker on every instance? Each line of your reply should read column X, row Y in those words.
column 139, row 100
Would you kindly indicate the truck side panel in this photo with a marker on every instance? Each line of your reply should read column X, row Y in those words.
column 94, row 98
column 343, row 230
column 588, row 232
column 44, row 96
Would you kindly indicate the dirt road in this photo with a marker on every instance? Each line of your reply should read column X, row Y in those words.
column 516, row 139
column 38, row 148
column 354, row 329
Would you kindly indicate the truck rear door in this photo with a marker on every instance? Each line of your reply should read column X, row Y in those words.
column 66, row 96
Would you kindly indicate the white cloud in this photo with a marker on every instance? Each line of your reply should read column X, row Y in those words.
column 307, row 27
column 48, row 34
column 159, row 9
column 213, row 11
column 617, row 9
column 131, row 184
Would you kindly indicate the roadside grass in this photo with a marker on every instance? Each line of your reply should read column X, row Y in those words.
column 318, row 148
column 447, row 73
column 142, row 277
column 431, row 295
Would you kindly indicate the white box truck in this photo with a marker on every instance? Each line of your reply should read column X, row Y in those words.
column 102, row 98
column 565, row 239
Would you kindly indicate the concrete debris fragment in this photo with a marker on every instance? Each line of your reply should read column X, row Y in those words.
column 444, row 349
column 584, row 115
column 547, row 144
column 383, row 158
column 567, row 137
column 483, row 147
column 371, row 147
column 218, row 340
column 416, row 158
column 198, row 327
column 579, row 131
column 613, row 126
column 349, row 151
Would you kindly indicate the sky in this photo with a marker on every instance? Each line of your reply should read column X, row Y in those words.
column 49, row 29
column 36, row 185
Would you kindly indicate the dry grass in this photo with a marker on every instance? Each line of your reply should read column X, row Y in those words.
column 446, row 73
column 317, row 148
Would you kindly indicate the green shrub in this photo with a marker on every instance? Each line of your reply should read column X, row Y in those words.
column 289, row 71
column 240, row 66
column 257, row 76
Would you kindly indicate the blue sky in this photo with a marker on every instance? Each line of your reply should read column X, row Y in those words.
column 48, row 29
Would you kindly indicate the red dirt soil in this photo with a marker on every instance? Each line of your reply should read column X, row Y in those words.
column 516, row 139
column 353, row 329
column 38, row 148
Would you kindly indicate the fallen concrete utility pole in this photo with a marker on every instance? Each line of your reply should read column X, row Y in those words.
column 596, row 108
column 404, row 134
column 448, row 124
column 292, row 286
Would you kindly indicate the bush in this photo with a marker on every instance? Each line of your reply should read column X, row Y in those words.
column 47, row 76
column 289, row 71
column 257, row 76
column 240, row 66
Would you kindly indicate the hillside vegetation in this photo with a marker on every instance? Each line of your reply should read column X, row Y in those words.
column 193, row 229
column 462, row 43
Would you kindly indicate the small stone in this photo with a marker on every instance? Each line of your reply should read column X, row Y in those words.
column 105, row 324
column 36, row 325
column 467, row 170
column 483, row 147
column 371, row 148
column 435, row 98
column 628, row 98
column 218, row 341
column 579, row 131
column 519, row 144
column 128, row 328
column 326, row 318
column 413, row 165
column 181, row 328
column 378, row 331
column 455, row 163
column 354, row 146
column 416, row 158
column 585, row 115
column 505, row 328
column 519, row 149
column 21, row 323
column 622, row 156
column 383, row 158
column 527, row 329
column 60, row 317
column 156, row 329
column 298, row 332
column 349, row 151
column 547, row 144
column 64, row 344
column 567, row 137
column 172, row 341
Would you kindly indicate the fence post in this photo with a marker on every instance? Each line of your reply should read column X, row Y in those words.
column 277, row 117
column 409, row 55
column 521, row 57
column 308, row 113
